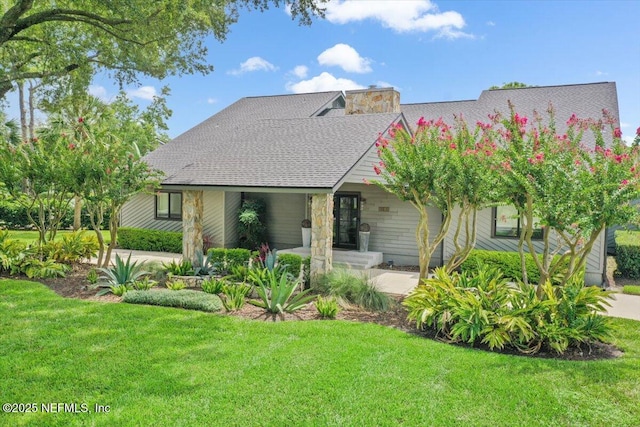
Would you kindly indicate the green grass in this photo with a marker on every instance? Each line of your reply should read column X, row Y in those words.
column 631, row 289
column 627, row 237
column 164, row 366
column 31, row 237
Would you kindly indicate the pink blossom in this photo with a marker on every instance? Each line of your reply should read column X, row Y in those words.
column 624, row 182
column 617, row 133
column 377, row 170
column 80, row 120
column 638, row 131
column 422, row 122
column 366, row 181
column 72, row 146
column 453, row 146
column 520, row 121
column 506, row 165
column 572, row 120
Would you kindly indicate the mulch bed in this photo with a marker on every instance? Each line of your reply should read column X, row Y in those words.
column 76, row 285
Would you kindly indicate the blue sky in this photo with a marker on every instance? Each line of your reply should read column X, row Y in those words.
column 430, row 51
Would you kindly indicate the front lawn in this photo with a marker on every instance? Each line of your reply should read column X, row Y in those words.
column 30, row 237
column 164, row 366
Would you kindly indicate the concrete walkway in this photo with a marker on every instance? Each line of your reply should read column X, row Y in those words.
column 398, row 282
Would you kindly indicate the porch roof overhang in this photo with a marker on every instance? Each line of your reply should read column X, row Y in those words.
column 252, row 189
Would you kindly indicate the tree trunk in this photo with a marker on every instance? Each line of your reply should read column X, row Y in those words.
column 23, row 112
column 77, row 213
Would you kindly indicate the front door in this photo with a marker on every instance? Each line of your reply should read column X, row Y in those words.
column 346, row 220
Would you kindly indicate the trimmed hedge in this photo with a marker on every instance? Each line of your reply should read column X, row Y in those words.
column 230, row 257
column 507, row 262
column 150, row 240
column 14, row 216
column 291, row 263
column 185, row 298
column 628, row 253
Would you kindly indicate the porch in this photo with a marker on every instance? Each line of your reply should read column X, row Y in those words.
column 344, row 258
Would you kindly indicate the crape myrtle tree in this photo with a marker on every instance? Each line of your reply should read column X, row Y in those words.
column 104, row 150
column 442, row 166
column 46, row 40
column 571, row 189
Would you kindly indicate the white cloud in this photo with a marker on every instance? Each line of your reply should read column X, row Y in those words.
column 601, row 73
column 624, row 125
column 401, row 16
column 143, row 92
column 211, row 100
column 321, row 83
column 628, row 140
column 345, row 57
column 255, row 63
column 99, row 92
column 381, row 83
column 491, row 24
column 300, row 71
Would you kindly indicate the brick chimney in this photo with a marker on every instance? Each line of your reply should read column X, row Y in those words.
column 372, row 100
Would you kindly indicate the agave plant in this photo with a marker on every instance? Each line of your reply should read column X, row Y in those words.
column 123, row 273
column 277, row 295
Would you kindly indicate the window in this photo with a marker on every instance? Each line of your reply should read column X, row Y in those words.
column 169, row 205
column 506, row 223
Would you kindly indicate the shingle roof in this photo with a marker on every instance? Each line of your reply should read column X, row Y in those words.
column 277, row 141
column 585, row 100
column 312, row 152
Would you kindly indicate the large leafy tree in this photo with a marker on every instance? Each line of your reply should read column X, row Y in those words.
column 555, row 180
column 47, row 40
column 104, row 144
column 440, row 166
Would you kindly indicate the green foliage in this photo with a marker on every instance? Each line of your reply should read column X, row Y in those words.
column 350, row 288
column 123, row 272
column 628, row 253
column 182, row 268
column 631, row 289
column 226, row 260
column 205, row 266
column 119, row 290
column 213, row 285
column 188, row 299
column 484, row 308
column 35, row 268
column 176, row 285
column 251, row 223
column 72, row 247
column 553, row 180
column 277, row 295
column 233, row 296
column 442, row 166
column 291, row 263
column 11, row 251
column 510, row 85
column 14, row 215
column 144, row 284
column 327, row 307
column 150, row 240
column 92, row 276
column 239, row 273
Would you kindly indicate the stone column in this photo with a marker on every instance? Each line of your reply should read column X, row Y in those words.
column 321, row 235
column 192, row 225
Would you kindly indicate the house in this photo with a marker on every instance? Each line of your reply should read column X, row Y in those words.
column 308, row 155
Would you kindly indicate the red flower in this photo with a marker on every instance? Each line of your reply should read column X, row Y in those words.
column 377, row 170
column 80, row 119
column 617, row 133
column 452, row 146
column 638, row 131
column 521, row 121
column 422, row 122
column 72, row 146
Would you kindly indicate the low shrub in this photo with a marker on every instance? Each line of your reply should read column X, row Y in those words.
column 628, row 253
column 327, row 307
column 291, row 263
column 507, row 262
column 213, row 285
column 119, row 290
column 227, row 259
column 350, row 288
column 485, row 308
column 277, row 295
column 144, row 284
column 123, row 272
column 189, row 299
column 631, row 289
column 233, row 296
column 149, row 240
column 72, row 247
column 176, row 285
column 182, row 268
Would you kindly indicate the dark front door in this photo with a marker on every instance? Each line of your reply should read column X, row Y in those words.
column 346, row 220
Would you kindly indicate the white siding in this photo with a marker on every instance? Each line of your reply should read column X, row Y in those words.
column 231, row 205
column 139, row 212
column 393, row 231
column 285, row 212
column 595, row 262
